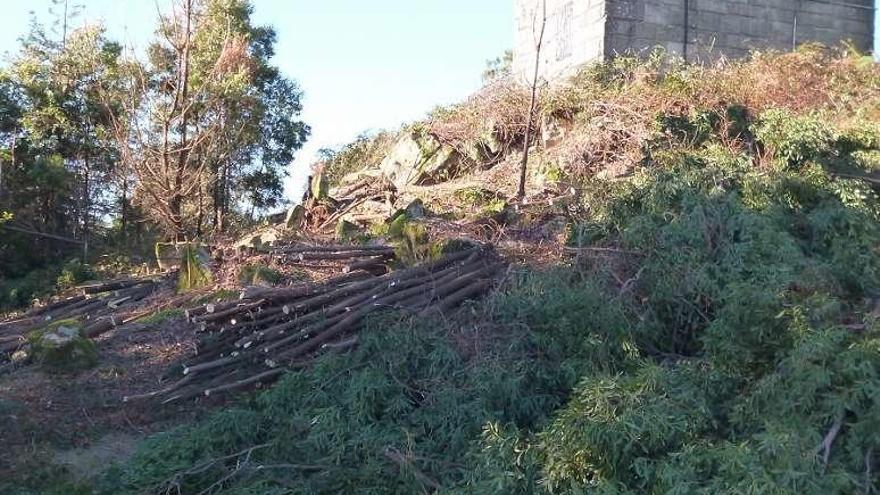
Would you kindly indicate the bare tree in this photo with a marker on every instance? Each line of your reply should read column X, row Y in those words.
column 539, row 42
column 161, row 137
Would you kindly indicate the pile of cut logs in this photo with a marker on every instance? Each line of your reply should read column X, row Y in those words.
column 96, row 306
column 368, row 258
column 252, row 341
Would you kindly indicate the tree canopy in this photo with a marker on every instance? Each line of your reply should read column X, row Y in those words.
column 185, row 138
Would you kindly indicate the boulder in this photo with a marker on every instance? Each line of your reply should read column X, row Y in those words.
column 416, row 158
column 346, row 231
column 294, row 217
column 63, row 347
column 195, row 268
column 319, row 186
column 266, row 236
column 416, row 209
column 168, row 254
column 258, row 275
column 487, row 149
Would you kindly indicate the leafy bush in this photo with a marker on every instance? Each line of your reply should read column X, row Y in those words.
column 74, row 272
column 794, row 139
column 366, row 151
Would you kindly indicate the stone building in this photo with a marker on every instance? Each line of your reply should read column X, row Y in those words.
column 581, row 31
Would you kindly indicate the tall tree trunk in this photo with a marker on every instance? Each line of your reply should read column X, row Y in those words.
column 521, row 191
column 176, row 203
column 123, row 207
column 200, row 213
column 220, row 199
column 87, row 205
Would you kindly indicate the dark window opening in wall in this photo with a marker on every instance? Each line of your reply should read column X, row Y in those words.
column 563, row 31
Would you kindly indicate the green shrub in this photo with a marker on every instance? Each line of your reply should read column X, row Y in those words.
column 74, row 272
column 692, row 129
column 794, row 139
column 16, row 293
column 863, row 135
column 475, row 196
column 366, row 151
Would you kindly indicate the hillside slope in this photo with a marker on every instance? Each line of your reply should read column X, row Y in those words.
column 691, row 307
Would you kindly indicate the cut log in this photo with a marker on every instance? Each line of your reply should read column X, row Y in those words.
column 469, row 291
column 99, row 327
column 55, row 305
column 288, row 328
column 174, row 386
column 61, row 310
column 344, row 255
column 238, row 308
column 334, row 248
column 263, row 377
column 15, row 325
column 375, row 265
column 93, row 304
column 97, row 288
column 288, row 294
column 210, row 365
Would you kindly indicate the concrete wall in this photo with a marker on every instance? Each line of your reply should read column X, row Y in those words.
column 574, row 35
column 732, row 27
column 580, row 31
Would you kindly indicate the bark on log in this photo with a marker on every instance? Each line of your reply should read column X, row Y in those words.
column 258, row 378
column 326, row 249
column 288, row 294
column 174, row 386
column 97, row 288
column 61, row 310
column 15, row 325
column 196, row 368
column 55, row 305
column 357, row 315
column 99, row 327
column 344, row 255
column 192, row 313
column 239, row 308
column 444, row 304
column 92, row 305
column 374, row 265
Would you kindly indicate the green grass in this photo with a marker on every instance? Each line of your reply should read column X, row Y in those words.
column 162, row 316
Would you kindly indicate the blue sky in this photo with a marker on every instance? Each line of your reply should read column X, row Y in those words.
column 363, row 64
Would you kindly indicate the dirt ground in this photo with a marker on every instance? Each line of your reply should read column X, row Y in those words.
column 46, row 412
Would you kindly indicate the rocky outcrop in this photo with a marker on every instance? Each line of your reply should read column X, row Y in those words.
column 418, row 158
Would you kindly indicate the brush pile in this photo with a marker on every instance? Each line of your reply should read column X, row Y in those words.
column 254, row 340
column 96, row 307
